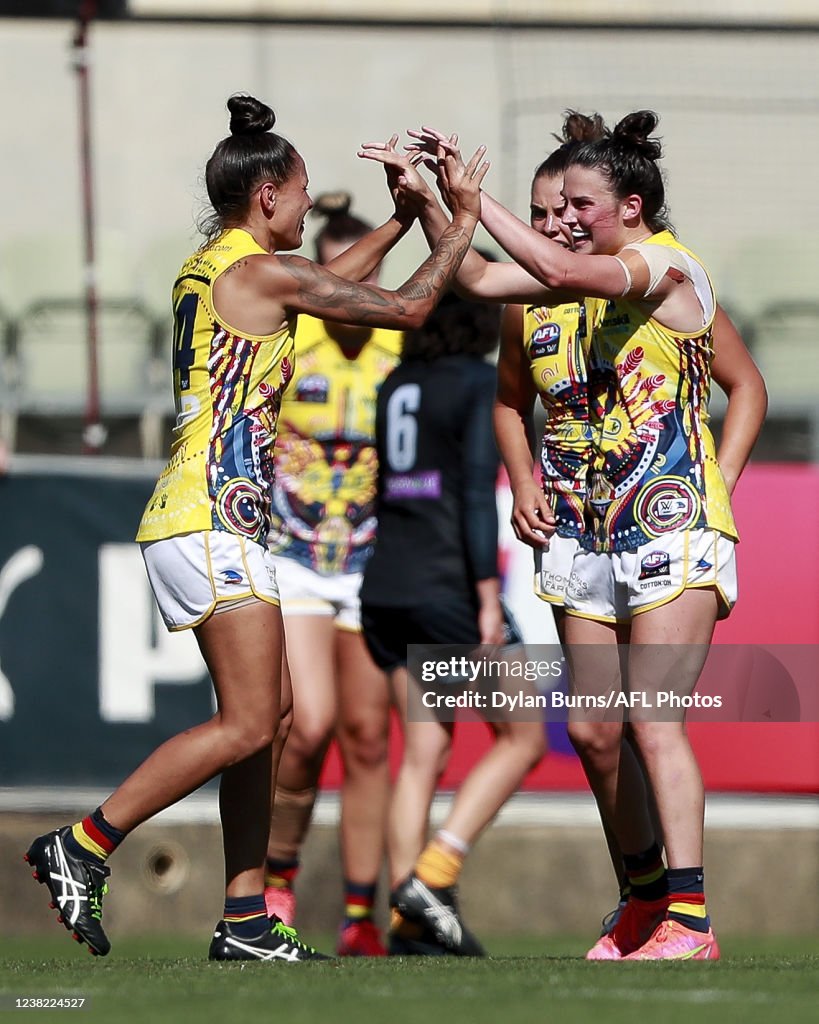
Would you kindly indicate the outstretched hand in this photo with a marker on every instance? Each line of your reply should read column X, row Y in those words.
column 407, row 187
column 429, row 140
column 461, row 185
column 448, row 163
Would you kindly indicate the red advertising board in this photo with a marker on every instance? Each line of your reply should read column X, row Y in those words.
column 779, row 604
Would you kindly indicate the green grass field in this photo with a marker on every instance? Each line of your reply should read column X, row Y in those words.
column 528, row 980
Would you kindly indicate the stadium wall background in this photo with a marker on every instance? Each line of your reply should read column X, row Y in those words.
column 727, row 100
column 86, row 664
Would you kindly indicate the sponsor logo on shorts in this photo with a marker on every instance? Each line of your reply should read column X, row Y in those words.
column 704, row 565
column 231, row 576
column 656, row 563
column 313, row 388
column 545, row 341
column 578, row 587
column 553, row 582
column 666, row 505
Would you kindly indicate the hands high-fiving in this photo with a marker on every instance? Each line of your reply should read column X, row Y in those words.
column 459, row 183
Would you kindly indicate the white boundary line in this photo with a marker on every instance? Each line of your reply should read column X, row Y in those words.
column 752, row 812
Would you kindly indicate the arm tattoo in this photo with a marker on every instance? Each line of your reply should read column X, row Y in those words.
column 318, row 290
column 236, row 266
column 430, row 279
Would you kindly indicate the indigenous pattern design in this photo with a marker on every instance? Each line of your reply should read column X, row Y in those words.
column 654, row 467
column 326, row 465
column 556, row 341
column 228, row 390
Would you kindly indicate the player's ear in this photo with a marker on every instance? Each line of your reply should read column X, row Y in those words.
column 267, row 198
column 632, row 209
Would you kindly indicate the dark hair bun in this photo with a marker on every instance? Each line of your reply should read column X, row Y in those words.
column 582, row 127
column 249, row 116
column 333, row 204
column 634, row 131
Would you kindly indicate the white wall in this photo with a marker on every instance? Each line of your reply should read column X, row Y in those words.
column 740, row 114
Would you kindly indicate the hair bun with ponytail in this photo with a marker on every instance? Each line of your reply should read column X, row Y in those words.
column 249, row 116
column 634, row 131
column 581, row 127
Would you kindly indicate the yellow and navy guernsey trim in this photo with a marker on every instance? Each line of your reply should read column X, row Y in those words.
column 555, row 341
column 228, row 389
column 326, row 466
column 654, row 468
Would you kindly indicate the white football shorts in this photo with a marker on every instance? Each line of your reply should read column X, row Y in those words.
column 306, row 592
column 614, row 586
column 196, row 574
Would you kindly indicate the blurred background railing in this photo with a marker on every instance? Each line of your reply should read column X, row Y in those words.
column 736, row 87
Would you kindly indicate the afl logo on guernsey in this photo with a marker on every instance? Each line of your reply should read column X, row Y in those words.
column 544, row 341
column 667, row 504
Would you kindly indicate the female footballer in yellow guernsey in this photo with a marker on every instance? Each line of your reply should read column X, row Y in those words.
column 658, row 500
column 561, row 378
column 543, row 353
column 322, row 530
column 543, row 357
column 204, row 532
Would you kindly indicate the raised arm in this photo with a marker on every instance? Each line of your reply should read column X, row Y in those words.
column 736, row 373
column 358, row 261
column 558, row 268
column 362, row 257
column 259, row 294
column 476, row 278
column 563, row 272
column 532, row 518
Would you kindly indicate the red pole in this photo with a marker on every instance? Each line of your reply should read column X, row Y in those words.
column 94, row 433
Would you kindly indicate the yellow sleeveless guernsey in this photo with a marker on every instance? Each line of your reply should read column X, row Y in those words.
column 654, row 468
column 326, row 467
column 228, row 390
column 555, row 340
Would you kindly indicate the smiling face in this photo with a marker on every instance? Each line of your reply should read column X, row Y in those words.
column 547, row 207
column 597, row 220
column 292, row 203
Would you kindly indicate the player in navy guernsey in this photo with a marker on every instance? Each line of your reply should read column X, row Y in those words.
column 433, row 579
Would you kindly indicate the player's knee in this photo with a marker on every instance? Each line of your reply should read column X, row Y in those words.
column 308, row 735
column 364, row 745
column 429, row 757
column 524, row 741
column 442, row 759
column 594, row 743
column 650, row 740
column 533, row 745
column 244, row 739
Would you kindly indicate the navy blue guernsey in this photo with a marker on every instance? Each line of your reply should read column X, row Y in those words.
column 437, row 469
